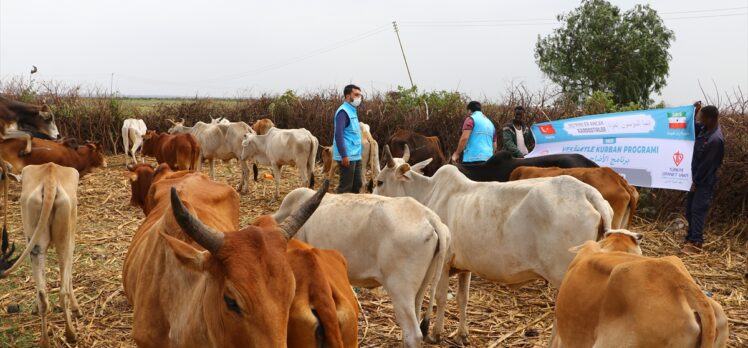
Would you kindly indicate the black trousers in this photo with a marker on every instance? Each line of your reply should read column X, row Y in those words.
column 697, row 207
column 350, row 178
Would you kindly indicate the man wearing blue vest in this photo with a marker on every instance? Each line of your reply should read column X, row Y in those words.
column 346, row 144
column 478, row 141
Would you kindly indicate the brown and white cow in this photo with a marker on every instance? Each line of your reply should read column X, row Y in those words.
column 49, row 210
column 324, row 312
column 69, row 154
column 195, row 279
column 421, row 149
column 181, row 151
column 623, row 198
column 22, row 121
column 614, row 297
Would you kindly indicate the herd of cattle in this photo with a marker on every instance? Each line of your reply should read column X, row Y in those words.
column 195, row 278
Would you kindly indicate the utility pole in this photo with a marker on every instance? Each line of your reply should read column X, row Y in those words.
column 410, row 77
column 111, row 85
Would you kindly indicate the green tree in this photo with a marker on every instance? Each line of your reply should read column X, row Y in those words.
column 598, row 48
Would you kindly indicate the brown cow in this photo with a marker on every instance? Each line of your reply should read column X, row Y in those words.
column 421, row 149
column 141, row 177
column 262, row 126
column 29, row 120
column 180, row 151
column 612, row 296
column 324, row 312
column 623, row 198
column 193, row 285
column 81, row 157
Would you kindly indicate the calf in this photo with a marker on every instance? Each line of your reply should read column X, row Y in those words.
column 181, row 151
column 279, row 147
column 324, row 311
column 500, row 166
column 421, row 149
column 141, row 177
column 614, row 297
column 83, row 158
column 49, row 210
column 623, row 198
column 132, row 133
column 28, row 120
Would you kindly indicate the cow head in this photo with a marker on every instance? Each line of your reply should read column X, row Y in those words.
column 249, row 146
column 613, row 240
column 397, row 173
column 94, row 152
column 141, row 177
column 41, row 125
column 252, row 286
column 177, row 127
column 262, row 126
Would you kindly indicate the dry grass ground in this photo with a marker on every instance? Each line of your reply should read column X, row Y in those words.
column 498, row 316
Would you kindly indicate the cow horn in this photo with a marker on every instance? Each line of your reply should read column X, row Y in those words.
column 388, row 157
column 293, row 223
column 207, row 237
column 172, row 122
column 406, row 153
column 181, row 120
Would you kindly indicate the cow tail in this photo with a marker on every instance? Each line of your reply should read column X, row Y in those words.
column 48, row 200
column 699, row 303
column 312, row 159
column 603, row 208
column 439, row 261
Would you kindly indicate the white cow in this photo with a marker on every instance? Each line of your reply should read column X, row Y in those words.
column 219, row 142
column 393, row 242
column 369, row 157
column 220, row 120
column 510, row 232
column 279, row 147
column 49, row 210
column 132, row 133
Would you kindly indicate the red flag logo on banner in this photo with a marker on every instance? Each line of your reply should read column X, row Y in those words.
column 547, row 129
column 677, row 158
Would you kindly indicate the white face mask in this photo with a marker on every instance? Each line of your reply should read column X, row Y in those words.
column 356, row 102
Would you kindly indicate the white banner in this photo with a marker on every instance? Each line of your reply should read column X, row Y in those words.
column 650, row 148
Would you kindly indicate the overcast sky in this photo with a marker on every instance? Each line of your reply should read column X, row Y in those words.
column 240, row 48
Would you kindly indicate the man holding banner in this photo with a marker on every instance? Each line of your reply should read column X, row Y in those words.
column 708, row 151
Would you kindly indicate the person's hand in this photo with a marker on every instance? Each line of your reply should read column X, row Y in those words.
column 455, row 157
column 693, row 187
column 345, row 162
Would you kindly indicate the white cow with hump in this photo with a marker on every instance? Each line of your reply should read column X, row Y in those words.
column 393, row 242
column 132, row 133
column 510, row 232
column 279, row 147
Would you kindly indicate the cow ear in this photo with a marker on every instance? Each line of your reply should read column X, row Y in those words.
column 576, row 249
column 133, row 177
column 418, row 167
column 401, row 173
column 189, row 256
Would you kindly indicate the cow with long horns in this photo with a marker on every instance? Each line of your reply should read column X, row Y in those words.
column 196, row 280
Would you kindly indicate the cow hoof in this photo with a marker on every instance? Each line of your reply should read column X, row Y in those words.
column 70, row 337
column 77, row 314
column 23, row 153
column 435, row 339
column 462, row 340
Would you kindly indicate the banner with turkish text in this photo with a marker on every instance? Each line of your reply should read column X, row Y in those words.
column 650, row 148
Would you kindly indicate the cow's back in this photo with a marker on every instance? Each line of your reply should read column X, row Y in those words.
column 421, row 148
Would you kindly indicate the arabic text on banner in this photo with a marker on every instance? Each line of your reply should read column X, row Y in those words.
column 650, row 148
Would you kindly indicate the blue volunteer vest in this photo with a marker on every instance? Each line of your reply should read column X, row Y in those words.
column 351, row 134
column 480, row 144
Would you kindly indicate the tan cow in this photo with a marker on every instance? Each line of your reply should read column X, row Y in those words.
column 614, row 297
column 193, row 285
column 623, row 198
column 262, row 126
column 49, row 210
column 324, row 312
column 369, row 158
